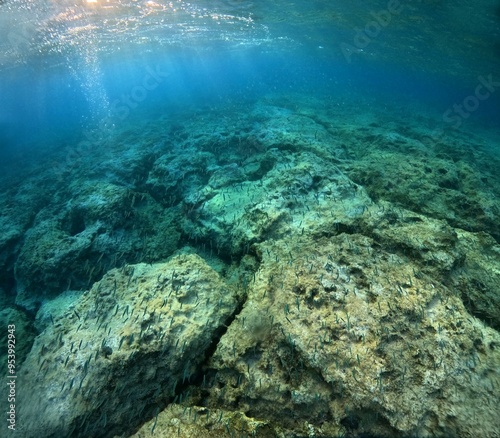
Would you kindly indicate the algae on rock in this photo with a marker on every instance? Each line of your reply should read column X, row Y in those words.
column 124, row 349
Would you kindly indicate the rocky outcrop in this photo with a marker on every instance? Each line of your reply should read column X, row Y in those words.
column 124, row 349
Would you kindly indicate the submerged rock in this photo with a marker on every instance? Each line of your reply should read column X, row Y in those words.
column 123, row 350
column 331, row 294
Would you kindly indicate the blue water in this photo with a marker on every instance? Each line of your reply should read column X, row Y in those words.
column 52, row 102
column 59, row 95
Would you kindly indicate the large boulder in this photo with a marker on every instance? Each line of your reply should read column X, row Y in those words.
column 124, row 349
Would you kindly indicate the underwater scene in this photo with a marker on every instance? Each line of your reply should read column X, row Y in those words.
column 250, row 219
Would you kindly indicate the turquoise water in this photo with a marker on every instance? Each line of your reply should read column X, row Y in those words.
column 235, row 218
column 69, row 64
